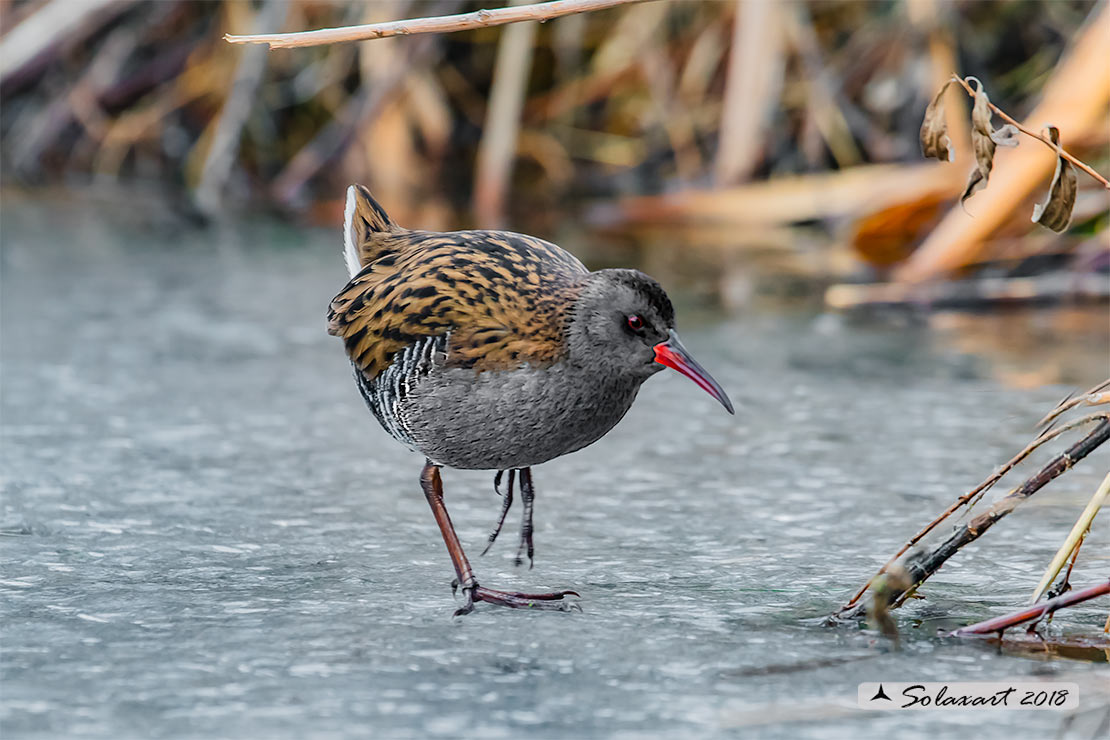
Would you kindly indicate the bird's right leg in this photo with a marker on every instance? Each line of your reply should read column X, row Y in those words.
column 432, row 484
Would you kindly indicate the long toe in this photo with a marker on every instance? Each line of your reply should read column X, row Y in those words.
column 551, row 601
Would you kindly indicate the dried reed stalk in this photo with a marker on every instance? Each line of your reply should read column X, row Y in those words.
column 436, row 24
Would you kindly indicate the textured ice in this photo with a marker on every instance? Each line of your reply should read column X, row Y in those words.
column 206, row 534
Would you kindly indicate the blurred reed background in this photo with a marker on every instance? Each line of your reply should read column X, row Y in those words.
column 751, row 132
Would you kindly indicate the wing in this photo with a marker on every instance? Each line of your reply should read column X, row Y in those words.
column 501, row 299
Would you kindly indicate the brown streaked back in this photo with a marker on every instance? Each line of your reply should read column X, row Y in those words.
column 502, row 297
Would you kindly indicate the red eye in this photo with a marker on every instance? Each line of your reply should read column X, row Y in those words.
column 635, row 323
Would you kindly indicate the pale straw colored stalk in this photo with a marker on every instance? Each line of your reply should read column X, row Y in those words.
column 1076, row 535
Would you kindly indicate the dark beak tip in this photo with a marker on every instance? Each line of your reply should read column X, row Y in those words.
column 725, row 401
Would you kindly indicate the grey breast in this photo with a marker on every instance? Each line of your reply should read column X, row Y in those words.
column 494, row 420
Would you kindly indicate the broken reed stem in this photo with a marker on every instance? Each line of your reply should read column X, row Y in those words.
column 1047, row 142
column 1046, row 436
column 1028, row 614
column 1074, row 540
column 435, row 24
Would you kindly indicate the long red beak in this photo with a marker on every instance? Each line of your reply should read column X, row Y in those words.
column 672, row 354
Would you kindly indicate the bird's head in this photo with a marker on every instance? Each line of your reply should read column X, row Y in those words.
column 623, row 322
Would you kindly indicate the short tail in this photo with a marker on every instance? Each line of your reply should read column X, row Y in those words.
column 363, row 220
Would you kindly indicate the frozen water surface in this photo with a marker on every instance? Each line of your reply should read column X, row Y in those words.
column 208, row 535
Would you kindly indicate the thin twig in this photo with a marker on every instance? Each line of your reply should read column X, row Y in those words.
column 1066, row 585
column 1093, row 397
column 998, row 624
column 1046, row 436
column 1047, row 142
column 436, row 24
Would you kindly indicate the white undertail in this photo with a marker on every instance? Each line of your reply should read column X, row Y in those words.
column 350, row 248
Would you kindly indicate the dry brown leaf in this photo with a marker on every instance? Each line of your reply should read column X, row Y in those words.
column 1055, row 212
column 981, row 142
column 1074, row 98
column 934, row 131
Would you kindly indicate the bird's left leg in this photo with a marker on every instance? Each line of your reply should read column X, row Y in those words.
column 527, row 495
column 506, row 502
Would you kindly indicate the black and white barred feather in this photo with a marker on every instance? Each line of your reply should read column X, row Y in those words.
column 386, row 393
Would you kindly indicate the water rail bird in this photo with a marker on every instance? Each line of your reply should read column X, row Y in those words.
column 489, row 350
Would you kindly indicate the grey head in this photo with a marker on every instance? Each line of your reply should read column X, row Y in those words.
column 622, row 324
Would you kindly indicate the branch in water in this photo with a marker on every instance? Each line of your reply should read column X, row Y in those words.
column 998, row 624
column 972, row 496
column 921, row 568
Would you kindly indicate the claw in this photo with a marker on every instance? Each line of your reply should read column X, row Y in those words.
column 469, row 605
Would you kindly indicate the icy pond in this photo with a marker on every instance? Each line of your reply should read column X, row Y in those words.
column 205, row 533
